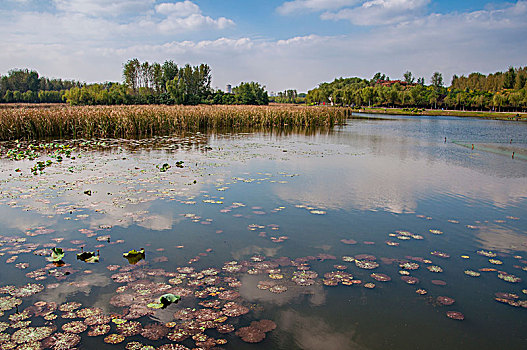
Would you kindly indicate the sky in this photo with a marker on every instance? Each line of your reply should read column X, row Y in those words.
column 282, row 44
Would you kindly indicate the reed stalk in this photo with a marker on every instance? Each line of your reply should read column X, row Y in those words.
column 30, row 122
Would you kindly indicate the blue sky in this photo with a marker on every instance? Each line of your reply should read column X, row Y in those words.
column 293, row 44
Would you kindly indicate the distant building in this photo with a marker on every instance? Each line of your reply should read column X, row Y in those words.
column 228, row 89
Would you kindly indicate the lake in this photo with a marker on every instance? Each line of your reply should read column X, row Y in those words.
column 379, row 234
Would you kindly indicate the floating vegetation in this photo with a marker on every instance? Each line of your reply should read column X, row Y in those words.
column 99, row 329
column 486, row 253
column 70, row 306
column 250, row 334
column 507, row 277
column 165, row 300
column 129, row 328
column 438, row 282
column 434, row 268
column 445, row 300
column 264, row 325
column 27, row 290
column 495, row 262
column 31, row 334
column 232, row 309
column 366, row 264
column 455, row 315
column 88, row 257
column 62, row 341
column 74, row 327
column 114, row 339
column 380, row 277
column 410, row 279
column 56, row 254
column 472, row 273
column 440, row 254
column 133, row 256
column 349, row 241
column 163, row 168
column 409, row 265
column 318, row 212
column 128, row 200
column 154, row 331
column 8, row 303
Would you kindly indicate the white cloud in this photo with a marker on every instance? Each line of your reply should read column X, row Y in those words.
column 192, row 22
column 379, row 12
column 92, row 22
column 290, row 7
column 103, row 7
column 359, row 12
column 178, row 9
column 94, row 49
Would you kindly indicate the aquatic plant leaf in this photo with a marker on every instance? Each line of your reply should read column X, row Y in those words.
column 167, row 299
column 133, row 256
column 88, row 257
column 56, row 255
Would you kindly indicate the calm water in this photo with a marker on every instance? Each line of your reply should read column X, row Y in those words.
column 273, row 204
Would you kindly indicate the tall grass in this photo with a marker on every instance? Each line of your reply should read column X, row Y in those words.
column 28, row 122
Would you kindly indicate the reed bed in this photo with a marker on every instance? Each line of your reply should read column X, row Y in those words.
column 143, row 121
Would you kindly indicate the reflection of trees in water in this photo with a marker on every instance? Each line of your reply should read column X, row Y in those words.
column 185, row 140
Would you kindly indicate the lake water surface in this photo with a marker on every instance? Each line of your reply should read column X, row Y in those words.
column 287, row 226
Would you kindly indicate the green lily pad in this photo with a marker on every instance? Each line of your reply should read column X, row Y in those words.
column 56, row 255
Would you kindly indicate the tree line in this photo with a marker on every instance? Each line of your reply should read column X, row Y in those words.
column 168, row 83
column 143, row 83
column 24, row 85
column 289, row 96
column 500, row 91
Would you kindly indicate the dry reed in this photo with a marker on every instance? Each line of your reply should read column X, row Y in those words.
column 28, row 122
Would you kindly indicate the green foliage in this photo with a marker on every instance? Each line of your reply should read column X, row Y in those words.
column 289, row 96
column 191, row 85
column 56, row 254
column 437, row 80
column 164, row 301
column 408, row 77
column 251, row 94
column 23, row 85
column 88, row 257
column 475, row 92
column 163, row 168
column 133, row 256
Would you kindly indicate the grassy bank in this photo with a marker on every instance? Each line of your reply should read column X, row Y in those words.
column 30, row 122
column 453, row 113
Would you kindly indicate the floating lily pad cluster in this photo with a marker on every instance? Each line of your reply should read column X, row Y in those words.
column 204, row 301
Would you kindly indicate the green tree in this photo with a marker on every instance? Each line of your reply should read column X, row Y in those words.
column 131, row 72
column 408, row 77
column 251, row 94
column 437, row 80
column 509, row 78
column 367, row 95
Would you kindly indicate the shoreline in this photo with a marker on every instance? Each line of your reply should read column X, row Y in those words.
column 511, row 116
